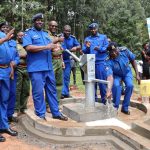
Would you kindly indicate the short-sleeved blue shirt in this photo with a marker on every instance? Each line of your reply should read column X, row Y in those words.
column 120, row 65
column 13, row 51
column 5, row 55
column 42, row 60
column 5, row 58
column 99, row 40
column 69, row 43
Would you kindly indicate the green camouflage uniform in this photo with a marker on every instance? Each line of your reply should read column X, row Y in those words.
column 23, row 83
column 57, row 67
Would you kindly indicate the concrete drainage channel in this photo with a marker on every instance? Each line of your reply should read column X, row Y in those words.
column 72, row 135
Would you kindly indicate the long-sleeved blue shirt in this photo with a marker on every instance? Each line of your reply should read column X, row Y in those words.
column 99, row 40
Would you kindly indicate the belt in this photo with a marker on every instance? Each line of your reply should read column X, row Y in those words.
column 56, row 57
column 22, row 65
column 4, row 66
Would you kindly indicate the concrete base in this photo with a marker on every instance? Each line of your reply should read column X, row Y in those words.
column 78, row 112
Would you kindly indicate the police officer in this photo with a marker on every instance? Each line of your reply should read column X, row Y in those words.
column 119, row 59
column 70, row 43
column 39, row 65
column 57, row 58
column 97, row 44
column 23, row 82
column 15, row 60
column 5, row 74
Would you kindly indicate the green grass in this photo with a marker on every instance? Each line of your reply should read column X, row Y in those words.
column 82, row 88
column 78, row 80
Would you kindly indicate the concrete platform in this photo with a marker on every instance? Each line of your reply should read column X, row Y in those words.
column 79, row 113
column 118, row 132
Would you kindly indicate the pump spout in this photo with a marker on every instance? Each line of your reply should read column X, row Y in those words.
column 73, row 55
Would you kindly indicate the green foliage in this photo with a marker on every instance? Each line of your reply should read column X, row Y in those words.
column 123, row 21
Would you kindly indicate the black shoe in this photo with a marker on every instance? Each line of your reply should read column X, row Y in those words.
column 9, row 131
column 62, row 97
column 12, row 119
column 65, row 96
column 125, row 112
column 2, row 139
column 61, row 117
column 23, row 111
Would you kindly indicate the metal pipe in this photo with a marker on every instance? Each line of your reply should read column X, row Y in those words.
column 73, row 55
column 97, row 80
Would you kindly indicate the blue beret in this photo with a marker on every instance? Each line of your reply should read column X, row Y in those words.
column 37, row 16
column 3, row 23
column 93, row 25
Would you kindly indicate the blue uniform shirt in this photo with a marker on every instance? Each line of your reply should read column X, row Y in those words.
column 13, row 51
column 100, row 40
column 5, row 58
column 69, row 43
column 42, row 60
column 5, row 55
column 120, row 65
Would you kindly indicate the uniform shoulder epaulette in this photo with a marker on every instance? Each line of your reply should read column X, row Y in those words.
column 122, row 48
column 73, row 36
column 28, row 29
column 45, row 30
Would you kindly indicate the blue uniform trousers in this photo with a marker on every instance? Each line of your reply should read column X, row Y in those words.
column 12, row 96
column 100, row 73
column 116, row 91
column 66, row 79
column 4, row 95
column 44, row 80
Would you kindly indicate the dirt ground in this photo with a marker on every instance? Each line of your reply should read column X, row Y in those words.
column 28, row 142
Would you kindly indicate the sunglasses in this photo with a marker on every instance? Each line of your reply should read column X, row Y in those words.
column 54, row 26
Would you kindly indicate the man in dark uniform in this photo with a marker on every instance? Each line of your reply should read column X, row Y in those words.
column 70, row 43
column 39, row 65
column 119, row 64
column 5, row 74
column 23, row 82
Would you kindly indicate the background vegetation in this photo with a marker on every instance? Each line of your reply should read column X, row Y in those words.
column 124, row 21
